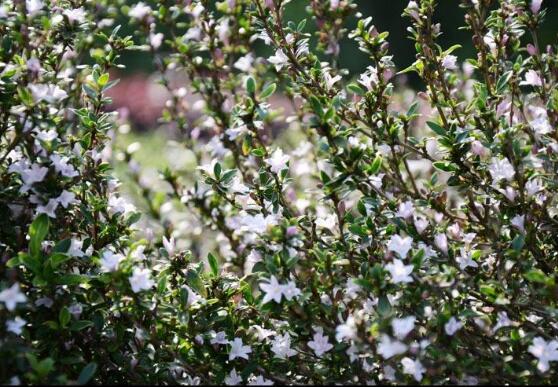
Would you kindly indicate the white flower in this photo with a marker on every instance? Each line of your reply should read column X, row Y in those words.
column 347, row 330
column 47, row 93
column 320, row 344
column 478, row 149
column 400, row 245
column 244, row 63
column 441, row 242
column 420, row 224
column 33, row 6
column 533, row 187
column 279, row 59
column 370, row 78
column 452, row 326
column 376, row 180
column 399, row 271
column 49, row 208
column 403, row 326
column 33, row 174
column 16, row 325
column 273, row 290
column 193, row 297
column 218, row 338
column 518, row 222
column 120, row 205
column 75, row 15
column 139, row 11
column 12, row 296
column 155, row 40
column 501, row 169
column 170, row 245
column 290, row 290
column 62, row 166
column 281, row 346
column 389, row 348
column 531, row 79
column 327, row 222
column 233, row 379
column 503, row 321
column 75, row 309
column 238, row 349
column 66, row 198
column 449, row 62
column 196, row 10
column 413, row 367
column 110, row 261
column 278, row 161
column 545, row 352
column 141, row 280
column 465, row 260
column 329, row 80
column 406, row 210
column 75, row 249
column 260, row 381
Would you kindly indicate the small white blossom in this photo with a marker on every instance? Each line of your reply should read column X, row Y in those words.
column 281, row 346
column 413, row 367
column 545, row 352
column 403, row 326
column 449, row 62
column 238, row 349
column 400, row 245
column 388, row 348
column 320, row 344
column 399, row 271
column 279, row 59
column 532, row 78
column 347, row 330
column 16, row 325
column 233, row 379
column 141, row 280
column 110, row 261
column 452, row 326
column 139, row 11
column 278, row 161
column 12, row 296
column 501, row 169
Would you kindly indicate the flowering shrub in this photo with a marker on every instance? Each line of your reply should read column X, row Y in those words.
column 359, row 232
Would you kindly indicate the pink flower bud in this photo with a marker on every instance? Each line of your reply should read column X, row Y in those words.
column 536, row 6
column 478, row 149
column 532, row 50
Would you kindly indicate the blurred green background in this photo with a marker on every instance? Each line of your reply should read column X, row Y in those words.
column 386, row 16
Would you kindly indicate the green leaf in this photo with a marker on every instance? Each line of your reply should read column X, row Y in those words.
column 268, row 91
column 64, row 317
column 213, row 264
column 446, row 166
column 87, row 373
column 217, row 170
column 57, row 259
column 81, row 325
column 355, row 88
column 250, row 85
column 37, row 233
column 436, row 128
column 376, row 165
column 103, row 79
column 384, row 306
column 536, row 275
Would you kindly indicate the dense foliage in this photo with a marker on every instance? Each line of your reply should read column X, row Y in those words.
column 360, row 232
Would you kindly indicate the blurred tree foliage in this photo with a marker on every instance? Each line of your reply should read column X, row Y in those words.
column 386, row 15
